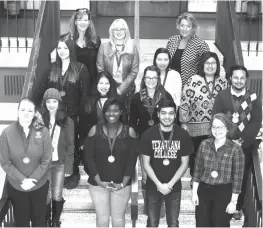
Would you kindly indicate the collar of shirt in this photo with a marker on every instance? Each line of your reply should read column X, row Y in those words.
column 238, row 94
column 227, row 142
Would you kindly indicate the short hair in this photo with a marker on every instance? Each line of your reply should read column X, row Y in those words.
column 189, row 17
column 112, row 101
column 159, row 51
column 238, row 67
column 204, row 57
column 166, row 103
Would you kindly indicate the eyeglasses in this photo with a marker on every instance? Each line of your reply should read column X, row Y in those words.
column 151, row 79
column 118, row 30
column 220, row 128
column 83, row 10
column 210, row 63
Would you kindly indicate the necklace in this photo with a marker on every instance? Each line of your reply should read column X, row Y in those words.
column 111, row 158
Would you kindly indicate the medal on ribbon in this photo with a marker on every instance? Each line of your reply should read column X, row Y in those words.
column 26, row 160
column 166, row 161
column 214, row 174
column 111, row 158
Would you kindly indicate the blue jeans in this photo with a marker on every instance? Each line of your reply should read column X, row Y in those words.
column 110, row 204
column 172, row 206
column 56, row 184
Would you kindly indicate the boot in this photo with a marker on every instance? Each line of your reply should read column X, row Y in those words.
column 48, row 215
column 57, row 207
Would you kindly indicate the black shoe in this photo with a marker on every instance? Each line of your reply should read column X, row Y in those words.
column 72, row 181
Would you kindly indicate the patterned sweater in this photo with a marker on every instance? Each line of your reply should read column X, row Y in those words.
column 196, row 104
column 250, row 115
column 191, row 55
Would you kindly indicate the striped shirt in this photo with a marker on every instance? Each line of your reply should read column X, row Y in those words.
column 228, row 161
column 191, row 55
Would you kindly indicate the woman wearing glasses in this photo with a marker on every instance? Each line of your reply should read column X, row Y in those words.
column 87, row 42
column 186, row 48
column 197, row 101
column 144, row 105
column 110, row 156
column 217, row 176
column 120, row 58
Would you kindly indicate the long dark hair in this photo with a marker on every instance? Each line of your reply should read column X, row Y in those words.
column 205, row 56
column 73, row 69
column 60, row 118
column 159, row 51
column 95, row 95
column 113, row 87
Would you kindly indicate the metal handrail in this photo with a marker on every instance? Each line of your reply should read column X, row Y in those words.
column 48, row 20
column 253, row 197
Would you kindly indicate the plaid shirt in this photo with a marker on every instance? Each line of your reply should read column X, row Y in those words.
column 228, row 161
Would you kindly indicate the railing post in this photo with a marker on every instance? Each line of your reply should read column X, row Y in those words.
column 135, row 189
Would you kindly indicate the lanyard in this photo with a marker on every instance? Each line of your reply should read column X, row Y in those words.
column 111, row 143
column 170, row 139
column 208, row 88
column 25, row 140
column 165, row 77
column 63, row 81
column 118, row 59
column 53, row 130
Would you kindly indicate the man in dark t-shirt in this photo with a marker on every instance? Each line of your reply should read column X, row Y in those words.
column 165, row 148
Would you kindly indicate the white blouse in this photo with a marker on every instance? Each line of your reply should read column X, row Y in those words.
column 173, row 85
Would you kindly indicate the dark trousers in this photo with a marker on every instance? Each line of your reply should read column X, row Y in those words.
column 172, row 206
column 196, row 142
column 213, row 201
column 29, row 206
column 76, row 141
column 248, row 162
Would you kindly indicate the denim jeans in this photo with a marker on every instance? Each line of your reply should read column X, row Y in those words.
column 172, row 206
column 110, row 204
column 56, row 184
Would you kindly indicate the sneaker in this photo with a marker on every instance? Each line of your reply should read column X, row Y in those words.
column 238, row 215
